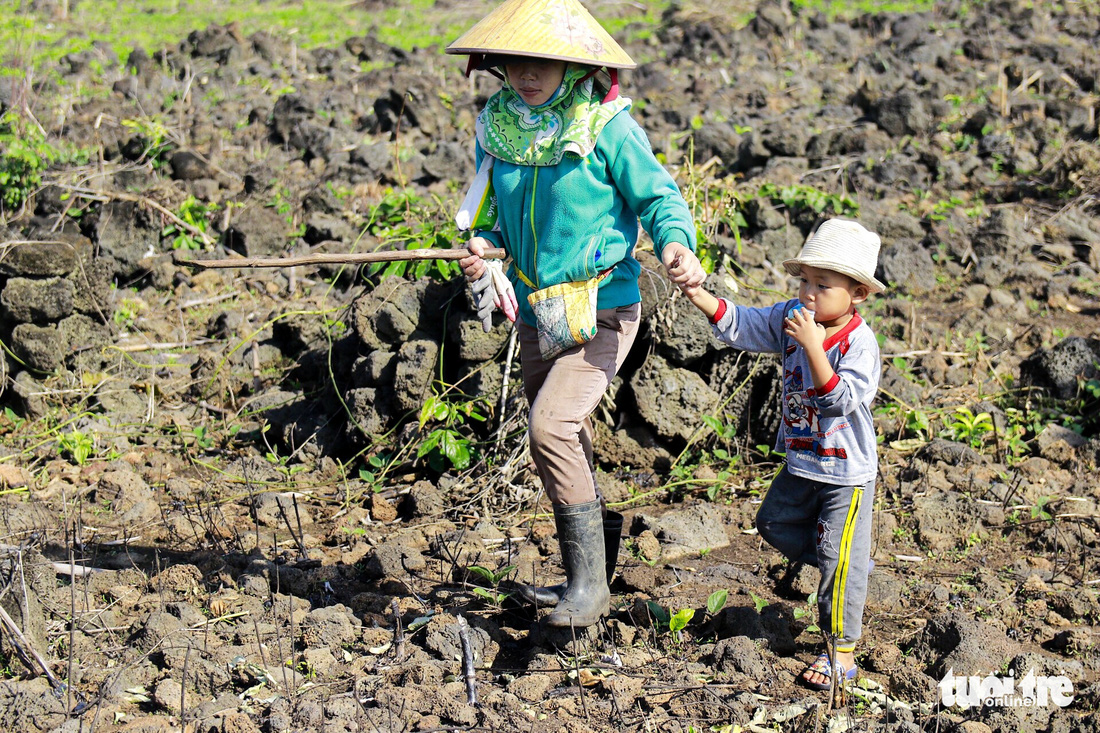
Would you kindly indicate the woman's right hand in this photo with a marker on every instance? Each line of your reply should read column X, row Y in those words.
column 473, row 266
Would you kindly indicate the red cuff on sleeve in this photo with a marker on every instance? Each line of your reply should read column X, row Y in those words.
column 720, row 312
column 828, row 386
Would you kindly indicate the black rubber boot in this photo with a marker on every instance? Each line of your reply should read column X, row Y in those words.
column 542, row 596
column 550, row 595
column 580, row 536
column 612, row 536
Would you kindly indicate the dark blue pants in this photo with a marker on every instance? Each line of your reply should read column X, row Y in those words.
column 828, row 526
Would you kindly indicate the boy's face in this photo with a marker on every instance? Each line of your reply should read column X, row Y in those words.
column 829, row 294
column 535, row 80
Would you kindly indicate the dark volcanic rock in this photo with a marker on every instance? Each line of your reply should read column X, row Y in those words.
column 1057, row 370
column 902, row 114
column 41, row 347
column 664, row 394
column 258, row 231
column 955, row 640
column 412, row 380
column 127, row 235
column 907, row 266
column 36, row 301
column 186, row 166
column 42, row 259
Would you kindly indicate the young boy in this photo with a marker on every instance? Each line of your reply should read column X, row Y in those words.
column 818, row 509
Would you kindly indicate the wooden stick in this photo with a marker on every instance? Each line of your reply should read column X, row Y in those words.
column 74, row 571
column 398, row 632
column 493, row 253
column 25, row 651
column 467, row 661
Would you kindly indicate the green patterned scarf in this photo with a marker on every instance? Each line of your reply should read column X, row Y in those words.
column 570, row 122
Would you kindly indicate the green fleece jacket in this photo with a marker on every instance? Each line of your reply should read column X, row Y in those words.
column 570, row 221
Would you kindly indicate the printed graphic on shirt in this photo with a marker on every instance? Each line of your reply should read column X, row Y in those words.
column 800, row 421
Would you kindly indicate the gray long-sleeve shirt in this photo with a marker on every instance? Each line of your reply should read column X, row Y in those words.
column 828, row 433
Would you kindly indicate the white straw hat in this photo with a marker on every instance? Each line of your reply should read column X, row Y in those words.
column 843, row 246
column 550, row 29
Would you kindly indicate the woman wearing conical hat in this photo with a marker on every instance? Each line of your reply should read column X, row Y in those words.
column 564, row 176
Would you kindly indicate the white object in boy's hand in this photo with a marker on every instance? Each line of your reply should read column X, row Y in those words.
column 493, row 290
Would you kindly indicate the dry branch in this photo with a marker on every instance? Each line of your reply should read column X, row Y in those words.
column 104, row 196
column 493, row 253
column 468, row 671
column 26, row 651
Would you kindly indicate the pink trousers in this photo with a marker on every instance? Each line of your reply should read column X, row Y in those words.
column 564, row 392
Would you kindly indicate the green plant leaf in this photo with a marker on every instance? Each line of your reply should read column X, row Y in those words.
column 681, row 619
column 485, row 573
column 659, row 613
column 455, row 448
column 717, row 601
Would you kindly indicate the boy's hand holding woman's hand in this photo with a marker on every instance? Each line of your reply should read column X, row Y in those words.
column 682, row 266
column 685, row 270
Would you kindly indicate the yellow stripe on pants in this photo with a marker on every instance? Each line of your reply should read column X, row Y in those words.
column 840, row 578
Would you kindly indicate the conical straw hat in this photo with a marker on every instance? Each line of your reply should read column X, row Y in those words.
column 552, row 29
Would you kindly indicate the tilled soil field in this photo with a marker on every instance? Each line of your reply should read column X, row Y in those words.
column 296, row 499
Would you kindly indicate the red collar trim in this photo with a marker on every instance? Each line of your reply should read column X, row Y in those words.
column 842, row 334
column 613, row 92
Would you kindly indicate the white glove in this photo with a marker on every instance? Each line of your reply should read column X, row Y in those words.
column 491, row 291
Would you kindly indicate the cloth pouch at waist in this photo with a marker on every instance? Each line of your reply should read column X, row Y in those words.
column 565, row 314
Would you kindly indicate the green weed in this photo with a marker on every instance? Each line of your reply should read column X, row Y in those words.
column 156, row 140
column 25, row 154
column 196, row 214
column 445, row 444
column 127, row 312
column 77, row 445
column 280, row 462
column 808, row 610
column 203, row 439
column 918, row 424
column 1039, row 509
column 491, row 577
column 679, row 621
column 373, row 472
column 906, row 368
column 799, row 196
column 836, row 8
column 494, row 596
column 969, row 428
column 13, row 422
column 404, row 220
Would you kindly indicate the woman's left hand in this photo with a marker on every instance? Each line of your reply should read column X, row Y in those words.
column 682, row 266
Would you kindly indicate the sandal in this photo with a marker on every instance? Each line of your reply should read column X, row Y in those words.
column 822, row 666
